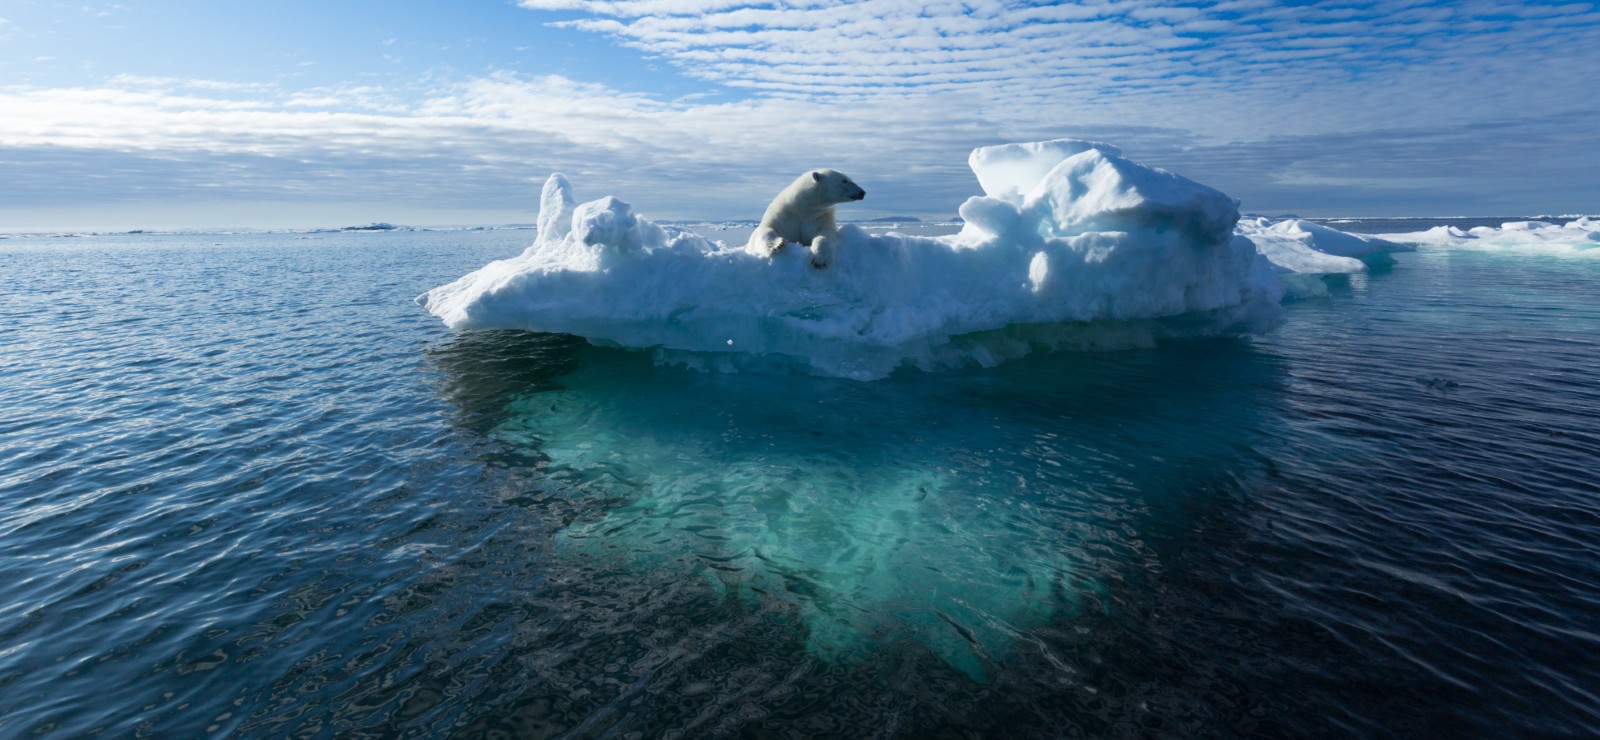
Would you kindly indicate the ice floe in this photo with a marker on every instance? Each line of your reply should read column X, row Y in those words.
column 1071, row 245
column 1302, row 251
column 1578, row 236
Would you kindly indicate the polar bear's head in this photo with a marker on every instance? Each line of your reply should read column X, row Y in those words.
column 835, row 186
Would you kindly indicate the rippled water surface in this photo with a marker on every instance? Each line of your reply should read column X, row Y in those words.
column 248, row 487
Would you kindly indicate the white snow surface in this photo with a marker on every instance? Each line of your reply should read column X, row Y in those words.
column 1301, row 252
column 1011, row 170
column 1580, row 236
column 1299, row 246
column 1072, row 246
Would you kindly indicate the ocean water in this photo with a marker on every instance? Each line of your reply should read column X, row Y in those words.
column 248, row 487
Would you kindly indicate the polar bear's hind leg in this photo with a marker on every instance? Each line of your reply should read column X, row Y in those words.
column 765, row 242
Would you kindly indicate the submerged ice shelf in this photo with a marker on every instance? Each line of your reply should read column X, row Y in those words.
column 1070, row 245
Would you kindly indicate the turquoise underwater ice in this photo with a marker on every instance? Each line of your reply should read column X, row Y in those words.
column 886, row 543
column 954, row 515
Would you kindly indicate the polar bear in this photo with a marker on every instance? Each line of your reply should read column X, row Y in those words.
column 803, row 213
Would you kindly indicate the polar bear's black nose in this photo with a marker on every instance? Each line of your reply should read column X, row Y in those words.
column 860, row 195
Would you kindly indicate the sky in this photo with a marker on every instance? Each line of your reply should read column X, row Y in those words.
column 192, row 114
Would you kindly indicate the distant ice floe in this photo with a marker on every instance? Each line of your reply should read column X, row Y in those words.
column 1071, row 245
column 1579, row 236
column 1302, row 252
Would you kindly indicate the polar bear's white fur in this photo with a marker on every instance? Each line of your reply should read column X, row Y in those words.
column 803, row 213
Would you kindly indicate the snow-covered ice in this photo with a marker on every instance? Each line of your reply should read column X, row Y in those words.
column 1579, row 236
column 1071, row 245
column 1011, row 170
column 1297, row 245
column 1302, row 251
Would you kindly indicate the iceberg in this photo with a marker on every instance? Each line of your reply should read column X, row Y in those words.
column 1580, row 236
column 1300, row 246
column 1071, row 245
column 1301, row 252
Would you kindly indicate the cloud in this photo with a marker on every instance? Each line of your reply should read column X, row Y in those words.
column 481, row 141
column 1102, row 61
column 176, row 83
column 1511, row 166
column 1338, row 107
column 488, row 141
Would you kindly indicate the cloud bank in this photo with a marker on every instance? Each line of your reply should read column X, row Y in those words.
column 1350, row 108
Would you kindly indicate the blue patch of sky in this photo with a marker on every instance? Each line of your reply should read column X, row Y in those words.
column 301, row 44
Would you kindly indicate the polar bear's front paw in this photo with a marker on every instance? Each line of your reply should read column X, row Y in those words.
column 822, row 249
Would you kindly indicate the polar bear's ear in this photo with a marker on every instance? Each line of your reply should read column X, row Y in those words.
column 816, row 176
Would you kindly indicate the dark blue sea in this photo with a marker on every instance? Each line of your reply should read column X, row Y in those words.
column 249, row 488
